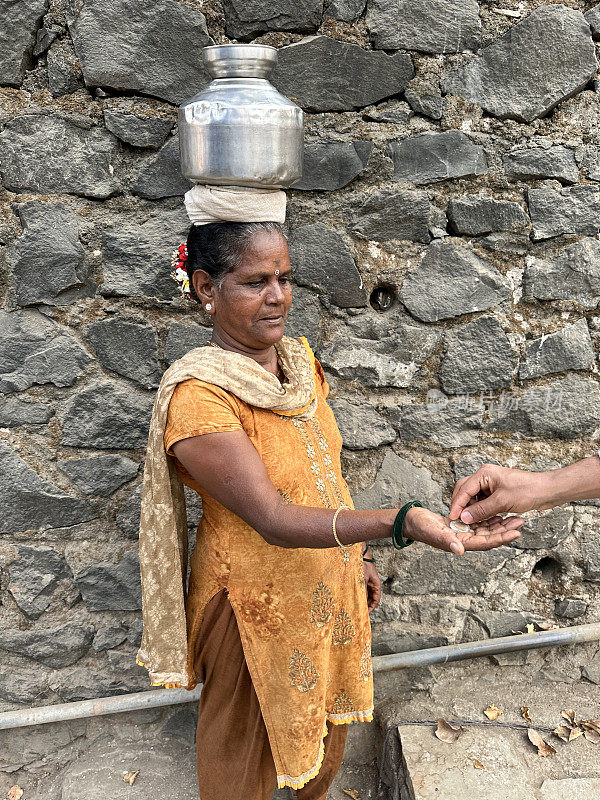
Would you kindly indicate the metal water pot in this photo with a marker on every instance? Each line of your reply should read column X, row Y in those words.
column 239, row 130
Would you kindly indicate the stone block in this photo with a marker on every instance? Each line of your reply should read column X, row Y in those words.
column 436, row 769
column 137, row 131
column 330, row 165
column 573, row 209
column 111, row 587
column 41, row 153
column 29, row 502
column 47, row 259
column 324, row 74
column 184, row 336
column 426, row 104
column 531, row 163
column 128, row 514
column 570, row 608
column 396, row 481
column 160, row 174
column 545, row 530
column 391, row 214
column 573, row 273
column 98, row 773
column 137, row 256
column 428, row 26
column 523, row 74
column 303, row 318
column 100, row 475
column 15, row 412
column 451, row 280
column 126, row 348
column 17, row 38
column 246, row 18
column 569, row 348
column 565, row 408
column 322, row 261
column 433, row 157
column 64, row 69
column 36, row 350
column 476, row 214
column 105, row 415
column 427, row 570
column 54, row 644
column 379, row 352
column 131, row 46
column 478, row 357
column 345, row 10
column 361, row 426
column 109, row 636
column 33, row 577
column 447, row 423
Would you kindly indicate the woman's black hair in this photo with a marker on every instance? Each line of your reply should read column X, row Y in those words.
column 218, row 248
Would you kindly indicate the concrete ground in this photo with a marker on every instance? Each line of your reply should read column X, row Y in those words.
column 396, row 757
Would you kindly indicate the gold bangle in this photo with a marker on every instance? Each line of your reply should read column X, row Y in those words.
column 345, row 547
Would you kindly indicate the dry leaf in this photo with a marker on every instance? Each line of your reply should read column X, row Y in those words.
column 129, row 777
column 591, row 730
column 569, row 715
column 14, row 793
column 546, row 625
column 591, row 725
column 352, row 793
column 566, row 733
column 563, row 732
column 535, row 738
column 493, row 712
column 476, row 763
column 525, row 713
column 446, row 732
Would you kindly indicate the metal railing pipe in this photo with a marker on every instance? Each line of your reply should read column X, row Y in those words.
column 413, row 658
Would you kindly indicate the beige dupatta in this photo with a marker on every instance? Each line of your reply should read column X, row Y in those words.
column 163, row 537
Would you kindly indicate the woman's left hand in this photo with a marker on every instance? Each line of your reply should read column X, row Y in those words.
column 372, row 585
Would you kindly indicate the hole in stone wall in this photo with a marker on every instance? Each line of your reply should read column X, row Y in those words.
column 383, row 297
column 546, row 569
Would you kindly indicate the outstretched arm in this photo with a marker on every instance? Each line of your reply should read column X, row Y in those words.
column 228, row 466
column 508, row 490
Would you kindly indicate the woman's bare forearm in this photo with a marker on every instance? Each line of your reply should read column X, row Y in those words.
column 307, row 526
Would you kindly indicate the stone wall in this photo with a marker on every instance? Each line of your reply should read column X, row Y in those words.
column 445, row 242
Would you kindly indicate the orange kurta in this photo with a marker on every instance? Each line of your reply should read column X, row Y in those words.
column 302, row 612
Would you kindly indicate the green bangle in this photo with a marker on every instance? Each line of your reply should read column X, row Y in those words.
column 397, row 539
column 372, row 560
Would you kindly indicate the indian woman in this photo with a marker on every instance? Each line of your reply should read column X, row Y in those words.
column 275, row 622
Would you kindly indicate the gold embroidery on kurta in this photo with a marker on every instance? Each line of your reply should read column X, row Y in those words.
column 331, row 499
column 343, row 629
column 365, row 669
column 302, row 671
column 322, row 605
column 342, row 704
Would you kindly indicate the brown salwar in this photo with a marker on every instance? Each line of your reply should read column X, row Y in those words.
column 233, row 753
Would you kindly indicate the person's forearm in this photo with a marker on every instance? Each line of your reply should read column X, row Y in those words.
column 307, row 526
column 579, row 481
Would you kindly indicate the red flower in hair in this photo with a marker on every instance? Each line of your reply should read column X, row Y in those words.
column 179, row 263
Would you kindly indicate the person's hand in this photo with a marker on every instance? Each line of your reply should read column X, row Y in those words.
column 430, row 528
column 372, row 585
column 496, row 490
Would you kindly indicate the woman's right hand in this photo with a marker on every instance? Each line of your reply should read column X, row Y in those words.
column 430, row 528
